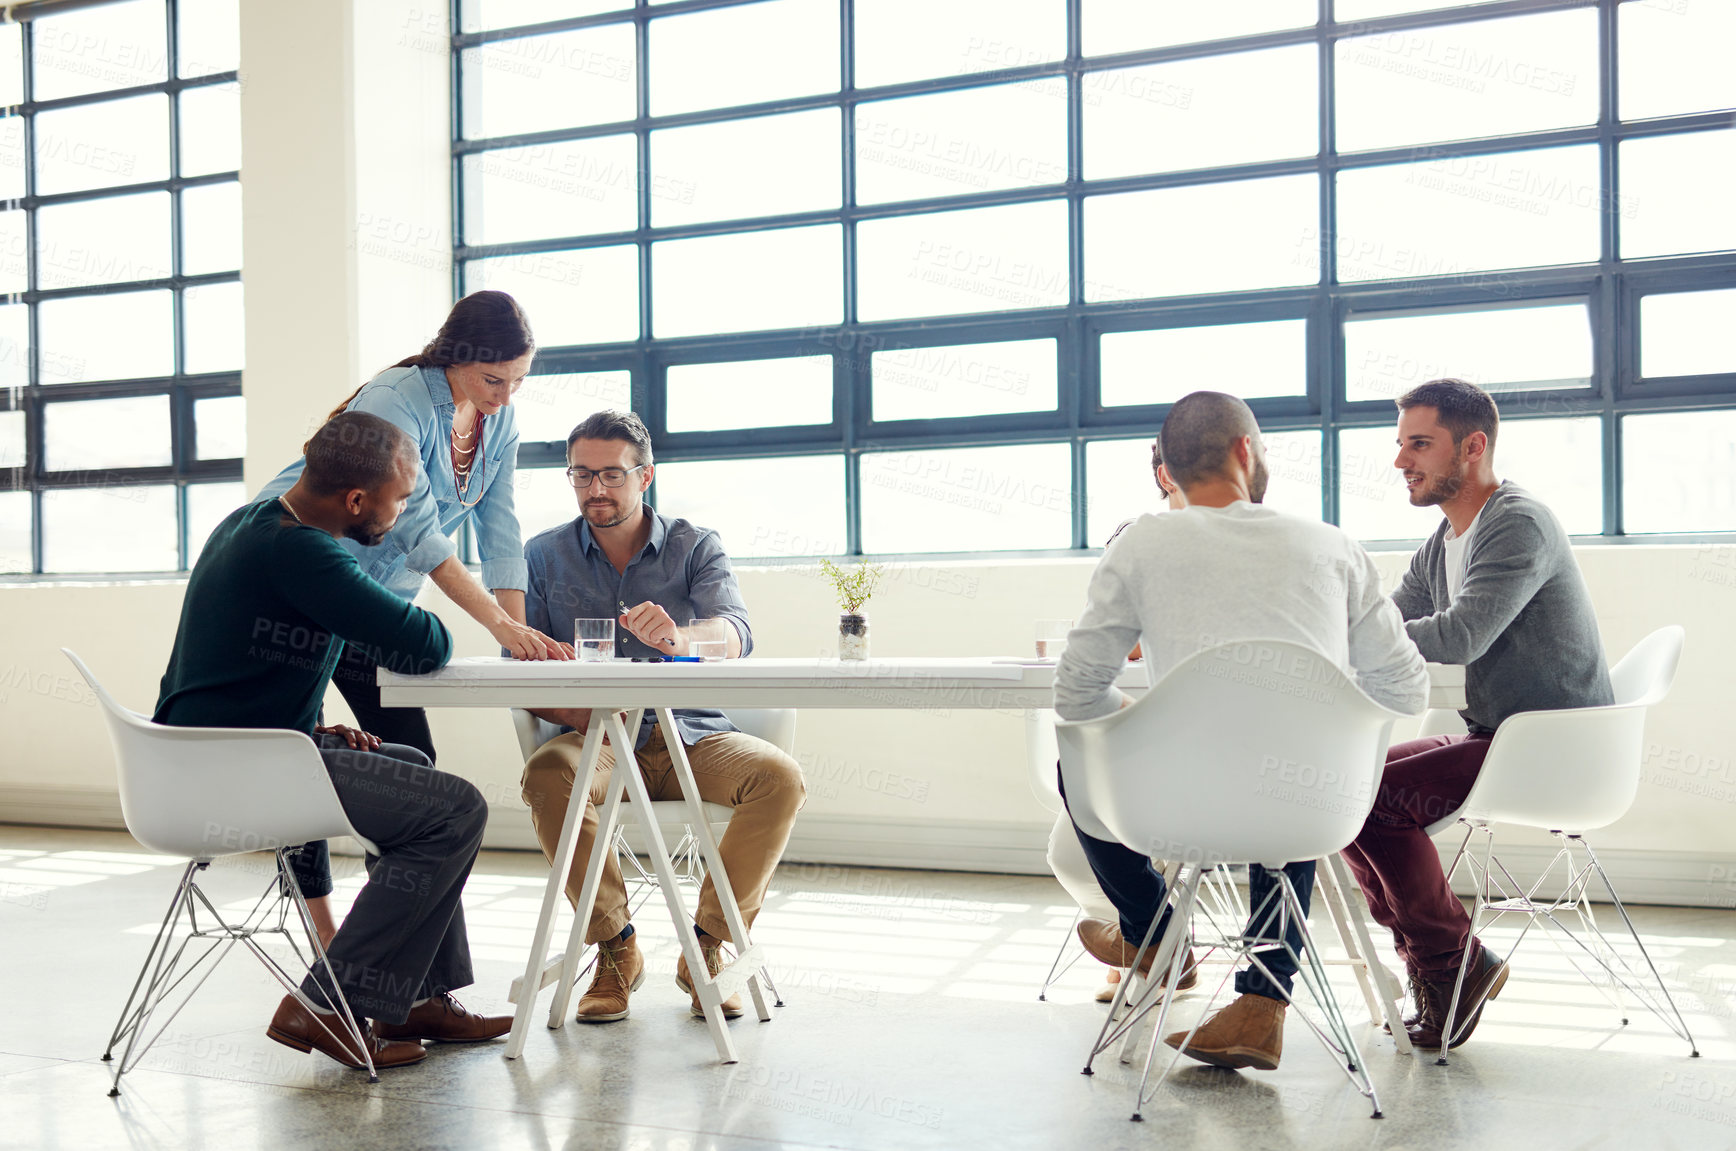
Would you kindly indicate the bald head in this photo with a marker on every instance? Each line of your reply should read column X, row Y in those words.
column 1200, row 439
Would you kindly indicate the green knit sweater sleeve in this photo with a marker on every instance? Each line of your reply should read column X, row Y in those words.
column 323, row 581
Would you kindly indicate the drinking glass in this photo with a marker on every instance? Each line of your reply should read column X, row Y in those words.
column 1052, row 637
column 595, row 638
column 707, row 639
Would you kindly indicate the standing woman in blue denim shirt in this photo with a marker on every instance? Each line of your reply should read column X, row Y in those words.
column 454, row 398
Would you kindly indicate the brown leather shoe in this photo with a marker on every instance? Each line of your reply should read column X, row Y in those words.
column 1484, row 980
column 1247, row 1033
column 713, row 951
column 445, row 1020
column 1102, row 939
column 620, row 971
column 295, row 1026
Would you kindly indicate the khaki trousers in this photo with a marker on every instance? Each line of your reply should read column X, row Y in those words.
column 760, row 782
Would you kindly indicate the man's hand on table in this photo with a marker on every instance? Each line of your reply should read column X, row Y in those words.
column 652, row 625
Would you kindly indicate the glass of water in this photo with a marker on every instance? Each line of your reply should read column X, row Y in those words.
column 595, row 638
column 1052, row 637
column 707, row 639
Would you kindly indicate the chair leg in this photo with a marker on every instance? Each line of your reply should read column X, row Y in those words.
column 159, row 944
column 1056, row 969
column 1681, row 1025
column 1480, row 903
column 351, row 1024
column 1181, row 926
column 156, row 978
column 1313, row 975
column 1336, row 1035
column 1116, row 1024
column 165, row 972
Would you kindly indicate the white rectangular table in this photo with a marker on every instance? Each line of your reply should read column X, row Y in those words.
column 617, row 692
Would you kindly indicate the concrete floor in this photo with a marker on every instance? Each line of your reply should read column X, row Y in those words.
column 911, row 1022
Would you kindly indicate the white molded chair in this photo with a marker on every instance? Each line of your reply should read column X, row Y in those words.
column 1212, row 767
column 777, row 726
column 1568, row 772
column 205, row 792
column 1041, row 760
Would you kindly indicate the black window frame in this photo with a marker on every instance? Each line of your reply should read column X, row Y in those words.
column 1610, row 287
column 182, row 388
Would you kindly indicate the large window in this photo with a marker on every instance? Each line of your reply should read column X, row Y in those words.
column 121, row 429
column 885, row 290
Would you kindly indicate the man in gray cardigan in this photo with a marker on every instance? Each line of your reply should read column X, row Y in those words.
column 1496, row 588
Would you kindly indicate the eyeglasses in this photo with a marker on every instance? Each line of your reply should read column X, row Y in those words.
column 612, row 477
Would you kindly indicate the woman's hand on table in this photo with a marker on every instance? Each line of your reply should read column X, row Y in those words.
column 526, row 642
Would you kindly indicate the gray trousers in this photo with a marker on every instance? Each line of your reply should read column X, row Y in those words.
column 404, row 939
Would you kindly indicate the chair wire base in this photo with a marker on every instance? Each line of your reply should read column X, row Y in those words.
column 1333, row 1031
column 186, row 949
column 1613, row 974
column 1059, row 968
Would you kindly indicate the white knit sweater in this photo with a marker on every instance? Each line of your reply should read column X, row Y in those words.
column 1185, row 580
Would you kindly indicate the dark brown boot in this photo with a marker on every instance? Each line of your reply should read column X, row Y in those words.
column 1483, row 981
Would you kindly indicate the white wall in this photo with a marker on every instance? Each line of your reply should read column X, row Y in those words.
column 936, row 788
column 347, row 268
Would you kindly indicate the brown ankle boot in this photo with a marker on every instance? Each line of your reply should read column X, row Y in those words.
column 1247, row 1033
column 713, row 952
column 1483, row 981
column 620, row 971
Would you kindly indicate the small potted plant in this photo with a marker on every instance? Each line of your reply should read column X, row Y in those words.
column 853, row 586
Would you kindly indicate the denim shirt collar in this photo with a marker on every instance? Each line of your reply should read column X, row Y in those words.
column 659, row 533
column 439, row 390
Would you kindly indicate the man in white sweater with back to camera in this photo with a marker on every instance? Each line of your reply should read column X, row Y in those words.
column 1223, row 569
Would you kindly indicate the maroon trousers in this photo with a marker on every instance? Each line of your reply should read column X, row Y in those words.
column 1395, row 861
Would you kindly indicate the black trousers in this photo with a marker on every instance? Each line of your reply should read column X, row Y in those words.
column 406, row 726
column 405, row 937
column 1138, row 892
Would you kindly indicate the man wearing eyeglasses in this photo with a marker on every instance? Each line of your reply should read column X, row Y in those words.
column 622, row 559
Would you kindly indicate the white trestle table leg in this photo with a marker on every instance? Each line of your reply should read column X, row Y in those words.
column 533, row 980
column 607, row 818
column 749, row 958
column 641, row 801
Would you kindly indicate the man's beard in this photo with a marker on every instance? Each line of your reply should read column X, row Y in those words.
column 1439, row 489
column 369, row 534
column 1258, row 481
column 606, row 516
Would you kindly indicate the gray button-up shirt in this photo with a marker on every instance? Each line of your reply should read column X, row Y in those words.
column 682, row 569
